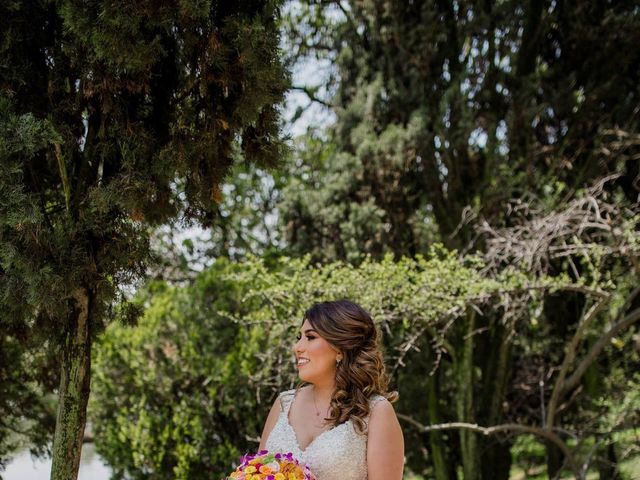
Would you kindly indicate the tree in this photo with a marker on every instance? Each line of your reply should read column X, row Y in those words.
column 116, row 117
column 174, row 396
column 450, row 114
column 592, row 239
column 246, row 224
column 446, row 110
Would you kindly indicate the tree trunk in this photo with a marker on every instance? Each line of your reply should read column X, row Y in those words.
column 74, row 390
column 555, row 459
column 608, row 464
column 496, row 459
column 441, row 467
column 464, row 400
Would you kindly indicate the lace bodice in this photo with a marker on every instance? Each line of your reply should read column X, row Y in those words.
column 336, row 454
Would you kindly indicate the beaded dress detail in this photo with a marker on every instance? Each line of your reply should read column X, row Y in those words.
column 339, row 453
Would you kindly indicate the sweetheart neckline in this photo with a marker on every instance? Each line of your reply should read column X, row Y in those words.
column 295, row 435
column 312, row 442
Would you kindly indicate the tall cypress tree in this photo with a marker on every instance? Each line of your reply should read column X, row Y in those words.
column 115, row 116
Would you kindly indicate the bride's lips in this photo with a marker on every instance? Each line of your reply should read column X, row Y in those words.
column 300, row 365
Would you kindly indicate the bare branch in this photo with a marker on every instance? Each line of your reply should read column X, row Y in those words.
column 405, row 348
column 597, row 347
column 570, row 353
column 588, row 224
column 545, row 433
column 311, row 94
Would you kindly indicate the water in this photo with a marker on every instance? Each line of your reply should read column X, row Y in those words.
column 23, row 467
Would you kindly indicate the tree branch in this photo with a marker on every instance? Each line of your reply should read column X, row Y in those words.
column 570, row 354
column 572, row 287
column 311, row 94
column 589, row 358
column 545, row 433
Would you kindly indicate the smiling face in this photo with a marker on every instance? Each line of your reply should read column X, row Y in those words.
column 316, row 358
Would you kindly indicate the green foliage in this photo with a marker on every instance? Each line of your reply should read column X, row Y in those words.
column 444, row 111
column 24, row 364
column 219, row 349
column 246, row 224
column 31, row 414
column 454, row 119
column 186, row 391
column 447, row 110
column 81, row 201
column 169, row 395
column 115, row 118
column 338, row 206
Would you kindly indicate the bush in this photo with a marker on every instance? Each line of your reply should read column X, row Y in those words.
column 169, row 395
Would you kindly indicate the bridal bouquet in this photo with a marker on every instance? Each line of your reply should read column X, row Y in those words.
column 268, row 466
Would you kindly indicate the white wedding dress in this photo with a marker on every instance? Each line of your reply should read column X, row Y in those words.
column 336, row 454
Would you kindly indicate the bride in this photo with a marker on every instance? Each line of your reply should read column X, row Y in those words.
column 339, row 420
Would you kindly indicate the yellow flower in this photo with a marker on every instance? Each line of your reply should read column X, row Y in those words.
column 265, row 469
column 256, row 477
column 280, row 476
column 250, row 469
column 292, row 476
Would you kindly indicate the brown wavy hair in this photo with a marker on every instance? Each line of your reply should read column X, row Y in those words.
column 361, row 373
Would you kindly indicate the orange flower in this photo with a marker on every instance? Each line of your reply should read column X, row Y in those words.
column 265, row 469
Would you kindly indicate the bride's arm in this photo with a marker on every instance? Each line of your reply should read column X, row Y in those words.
column 272, row 418
column 385, row 444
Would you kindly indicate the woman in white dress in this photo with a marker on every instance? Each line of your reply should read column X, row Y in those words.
column 340, row 419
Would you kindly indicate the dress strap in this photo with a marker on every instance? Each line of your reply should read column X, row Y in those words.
column 375, row 399
column 372, row 401
column 286, row 398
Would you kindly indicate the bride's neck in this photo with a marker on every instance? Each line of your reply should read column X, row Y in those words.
column 323, row 393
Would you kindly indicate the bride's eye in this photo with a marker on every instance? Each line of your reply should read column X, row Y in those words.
column 309, row 337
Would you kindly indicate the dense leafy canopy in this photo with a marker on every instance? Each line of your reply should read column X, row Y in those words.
column 114, row 117
column 447, row 110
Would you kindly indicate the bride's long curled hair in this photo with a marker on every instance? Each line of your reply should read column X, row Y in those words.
column 361, row 373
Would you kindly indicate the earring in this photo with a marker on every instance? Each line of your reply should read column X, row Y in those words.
column 338, row 360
